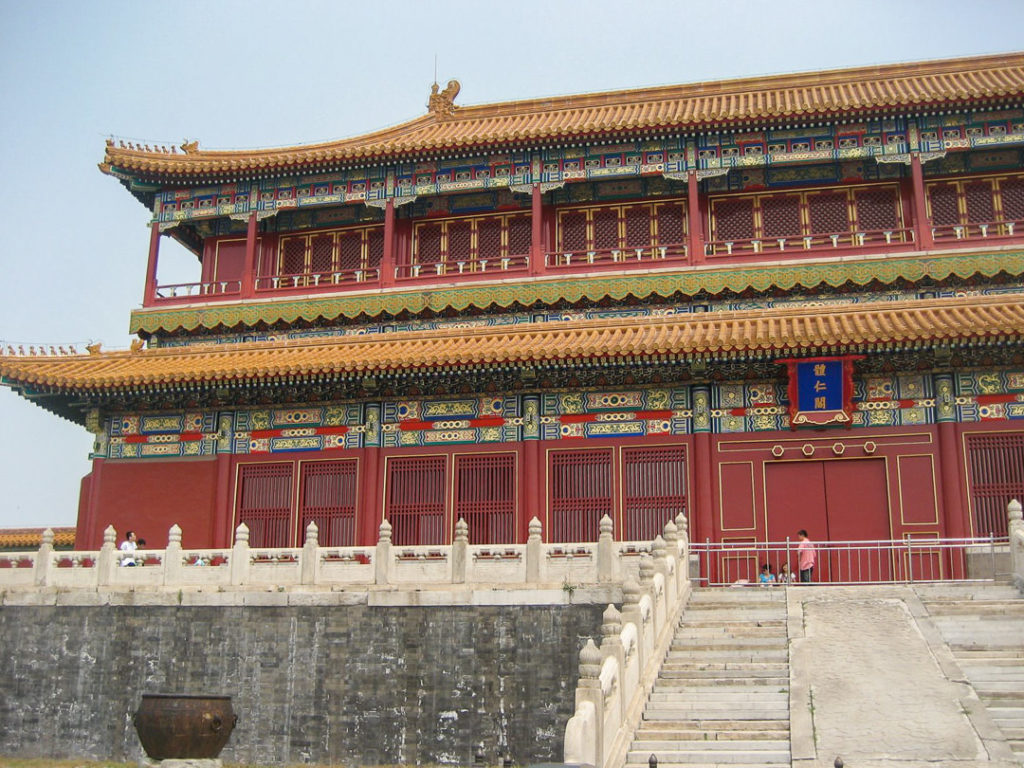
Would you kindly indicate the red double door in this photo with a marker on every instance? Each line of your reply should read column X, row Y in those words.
column 840, row 500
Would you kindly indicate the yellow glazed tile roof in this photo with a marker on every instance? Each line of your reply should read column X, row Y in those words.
column 20, row 538
column 777, row 331
column 691, row 106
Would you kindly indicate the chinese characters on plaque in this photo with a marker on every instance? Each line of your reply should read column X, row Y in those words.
column 821, row 391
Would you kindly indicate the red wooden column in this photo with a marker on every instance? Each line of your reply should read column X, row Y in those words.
column 533, row 488
column 702, row 509
column 950, row 469
column 149, row 294
column 536, row 243
column 387, row 259
column 370, row 499
column 249, row 268
column 695, row 222
column 922, row 227
column 222, row 525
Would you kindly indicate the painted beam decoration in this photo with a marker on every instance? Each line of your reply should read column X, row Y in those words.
column 821, row 391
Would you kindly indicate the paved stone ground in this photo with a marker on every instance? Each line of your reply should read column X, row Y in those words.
column 873, row 682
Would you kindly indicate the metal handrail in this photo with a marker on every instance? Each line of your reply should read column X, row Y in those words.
column 910, row 560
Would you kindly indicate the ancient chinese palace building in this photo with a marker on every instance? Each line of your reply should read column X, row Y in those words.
column 775, row 303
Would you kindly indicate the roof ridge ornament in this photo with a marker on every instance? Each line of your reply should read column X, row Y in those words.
column 190, row 147
column 443, row 104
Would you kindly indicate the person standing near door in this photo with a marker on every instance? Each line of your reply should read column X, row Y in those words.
column 806, row 555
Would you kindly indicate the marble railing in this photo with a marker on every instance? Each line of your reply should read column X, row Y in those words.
column 533, row 564
column 617, row 676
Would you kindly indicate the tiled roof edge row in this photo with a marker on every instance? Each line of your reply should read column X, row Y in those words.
column 961, row 318
column 707, row 103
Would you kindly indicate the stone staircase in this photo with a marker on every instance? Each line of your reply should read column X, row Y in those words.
column 722, row 696
column 984, row 628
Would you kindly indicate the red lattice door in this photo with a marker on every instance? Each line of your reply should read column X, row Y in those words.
column 829, row 213
column 416, row 499
column 653, row 490
column 581, row 493
column 520, row 235
column 944, row 205
column 264, row 503
column 995, row 476
column 1011, row 192
column 327, row 497
column 781, row 216
column 877, row 210
column 485, row 497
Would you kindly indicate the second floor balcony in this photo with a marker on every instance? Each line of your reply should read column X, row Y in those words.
column 548, row 241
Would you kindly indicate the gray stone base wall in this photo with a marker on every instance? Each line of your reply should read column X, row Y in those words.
column 343, row 684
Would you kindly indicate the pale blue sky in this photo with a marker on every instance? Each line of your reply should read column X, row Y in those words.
column 252, row 74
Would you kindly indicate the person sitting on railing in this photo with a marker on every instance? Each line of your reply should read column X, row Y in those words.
column 767, row 578
column 785, row 575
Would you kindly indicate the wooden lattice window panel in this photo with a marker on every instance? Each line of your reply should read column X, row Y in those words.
column 485, row 497
column 264, row 503
column 520, row 235
column 829, row 213
column 980, row 203
column 876, row 210
column 489, row 239
column 350, row 249
column 460, row 241
column 944, row 205
column 573, row 231
column 670, row 224
column 995, row 476
column 374, row 247
column 653, row 490
column 581, row 493
column 638, row 226
column 606, row 228
column 327, row 497
column 321, row 253
column 416, row 499
column 781, row 216
column 293, row 256
column 428, row 244
column 734, row 219
column 1012, row 195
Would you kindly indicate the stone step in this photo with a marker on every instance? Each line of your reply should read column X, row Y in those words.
column 713, row 695
column 672, row 732
column 749, row 655
column 680, row 683
column 780, row 719
column 717, row 726
column 689, row 645
column 973, row 655
column 707, row 764
column 724, row 669
column 701, row 757
column 666, row 745
column 710, row 622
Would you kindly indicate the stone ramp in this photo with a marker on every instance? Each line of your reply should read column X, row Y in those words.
column 874, row 681
column 983, row 626
column 722, row 695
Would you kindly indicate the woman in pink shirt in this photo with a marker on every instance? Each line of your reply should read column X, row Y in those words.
column 805, row 556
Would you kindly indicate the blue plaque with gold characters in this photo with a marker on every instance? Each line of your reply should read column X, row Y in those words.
column 821, row 391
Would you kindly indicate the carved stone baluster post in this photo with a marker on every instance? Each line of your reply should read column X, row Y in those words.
column 647, row 587
column 611, row 646
column 671, row 536
column 1016, row 531
column 589, row 689
column 107, row 561
column 44, row 559
column 309, row 566
column 172, row 556
column 460, row 552
column 382, row 557
column 660, row 553
column 605, row 551
column 683, row 532
column 631, row 615
column 240, row 555
column 533, row 552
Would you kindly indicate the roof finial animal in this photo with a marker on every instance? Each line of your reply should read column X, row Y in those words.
column 188, row 147
column 94, row 349
column 443, row 104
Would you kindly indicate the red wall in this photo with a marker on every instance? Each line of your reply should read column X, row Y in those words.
column 148, row 497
